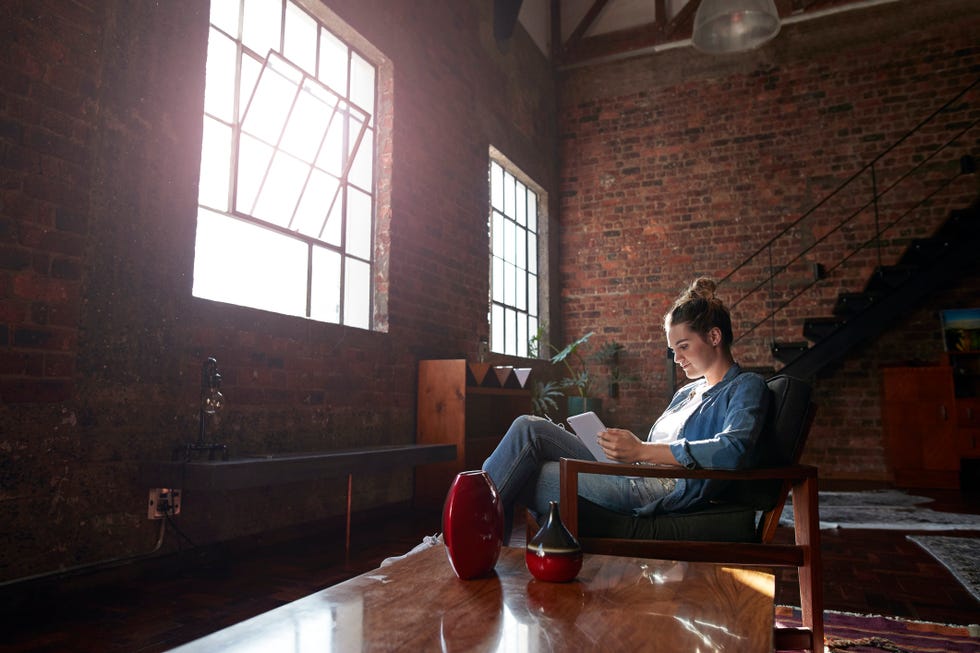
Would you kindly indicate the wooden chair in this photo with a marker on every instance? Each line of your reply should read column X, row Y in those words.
column 726, row 531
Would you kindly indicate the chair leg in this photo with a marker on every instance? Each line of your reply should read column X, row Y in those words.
column 807, row 526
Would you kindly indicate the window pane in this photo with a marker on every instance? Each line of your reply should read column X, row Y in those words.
column 361, row 83
column 325, row 294
column 224, row 15
column 521, row 336
column 332, row 229
column 497, row 281
column 215, row 155
column 497, row 328
column 219, row 88
column 532, row 210
column 510, row 241
column 307, row 125
column 497, row 240
column 532, row 253
column 361, row 172
column 279, row 194
column 510, row 279
column 520, row 204
column 510, row 332
column 299, row 46
column 520, row 289
column 496, row 186
column 243, row 264
column 520, row 248
column 269, row 106
column 333, row 62
column 331, row 156
column 251, row 69
column 357, row 294
column 319, row 193
column 261, row 28
column 508, row 194
column 253, row 160
column 532, row 296
column 358, row 223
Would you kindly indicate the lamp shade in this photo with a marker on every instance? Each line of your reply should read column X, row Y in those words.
column 726, row 26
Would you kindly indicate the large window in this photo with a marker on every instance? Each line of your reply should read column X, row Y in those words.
column 514, row 239
column 287, row 202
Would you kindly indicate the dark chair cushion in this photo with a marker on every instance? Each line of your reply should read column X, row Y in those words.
column 714, row 523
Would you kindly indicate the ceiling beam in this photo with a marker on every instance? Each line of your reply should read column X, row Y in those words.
column 579, row 48
column 584, row 24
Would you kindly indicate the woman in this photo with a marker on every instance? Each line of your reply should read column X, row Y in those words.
column 711, row 423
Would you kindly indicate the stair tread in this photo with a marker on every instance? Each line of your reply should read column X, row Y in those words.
column 889, row 291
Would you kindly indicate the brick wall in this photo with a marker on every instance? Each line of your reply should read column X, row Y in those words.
column 101, row 343
column 676, row 165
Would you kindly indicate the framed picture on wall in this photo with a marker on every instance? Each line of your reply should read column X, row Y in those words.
column 961, row 329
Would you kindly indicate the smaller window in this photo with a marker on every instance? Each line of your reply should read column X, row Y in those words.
column 514, row 240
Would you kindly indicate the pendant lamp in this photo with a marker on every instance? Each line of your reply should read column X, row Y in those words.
column 727, row 26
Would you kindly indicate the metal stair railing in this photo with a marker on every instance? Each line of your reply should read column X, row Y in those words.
column 961, row 128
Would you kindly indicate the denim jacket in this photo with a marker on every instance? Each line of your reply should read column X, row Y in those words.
column 721, row 434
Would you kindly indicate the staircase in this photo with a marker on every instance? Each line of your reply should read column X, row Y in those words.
column 773, row 291
column 890, row 293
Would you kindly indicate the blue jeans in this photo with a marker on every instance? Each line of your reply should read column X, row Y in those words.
column 524, row 468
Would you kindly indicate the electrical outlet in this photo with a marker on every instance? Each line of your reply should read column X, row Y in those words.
column 163, row 501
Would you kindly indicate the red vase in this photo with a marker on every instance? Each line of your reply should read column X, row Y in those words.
column 473, row 524
column 554, row 555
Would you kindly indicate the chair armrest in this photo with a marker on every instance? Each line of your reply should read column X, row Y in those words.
column 803, row 477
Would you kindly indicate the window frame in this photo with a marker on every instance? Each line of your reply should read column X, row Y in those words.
column 522, row 348
column 371, row 259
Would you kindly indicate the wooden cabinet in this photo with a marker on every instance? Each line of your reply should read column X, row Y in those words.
column 920, row 429
column 968, row 425
column 467, row 404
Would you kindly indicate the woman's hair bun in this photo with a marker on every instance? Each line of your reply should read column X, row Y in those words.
column 702, row 288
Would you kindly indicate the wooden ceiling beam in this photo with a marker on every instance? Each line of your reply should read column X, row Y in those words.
column 587, row 20
column 635, row 38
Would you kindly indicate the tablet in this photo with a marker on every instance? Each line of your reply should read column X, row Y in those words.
column 587, row 426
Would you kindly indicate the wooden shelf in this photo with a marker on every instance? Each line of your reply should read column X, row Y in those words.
column 275, row 469
column 470, row 405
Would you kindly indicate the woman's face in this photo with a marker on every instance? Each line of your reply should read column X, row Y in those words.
column 695, row 354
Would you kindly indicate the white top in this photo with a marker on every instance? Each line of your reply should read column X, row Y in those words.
column 667, row 428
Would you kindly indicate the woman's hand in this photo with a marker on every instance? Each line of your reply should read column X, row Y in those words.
column 624, row 447
column 621, row 445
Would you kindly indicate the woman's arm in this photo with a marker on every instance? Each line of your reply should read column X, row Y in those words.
column 725, row 440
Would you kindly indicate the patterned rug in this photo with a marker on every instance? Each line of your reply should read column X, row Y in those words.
column 961, row 555
column 883, row 509
column 856, row 633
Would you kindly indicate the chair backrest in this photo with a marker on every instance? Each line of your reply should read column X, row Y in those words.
column 781, row 441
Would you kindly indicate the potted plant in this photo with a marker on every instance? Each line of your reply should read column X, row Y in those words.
column 608, row 354
column 578, row 380
column 544, row 397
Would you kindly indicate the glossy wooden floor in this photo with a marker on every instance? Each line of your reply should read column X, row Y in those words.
column 154, row 606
